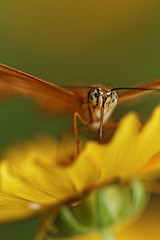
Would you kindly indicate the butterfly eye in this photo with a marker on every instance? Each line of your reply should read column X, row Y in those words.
column 114, row 98
column 93, row 96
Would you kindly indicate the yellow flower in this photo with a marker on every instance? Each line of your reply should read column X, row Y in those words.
column 41, row 174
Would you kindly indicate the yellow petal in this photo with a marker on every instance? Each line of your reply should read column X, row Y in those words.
column 152, row 165
column 36, row 180
column 38, row 175
column 13, row 213
column 13, row 208
column 131, row 148
column 147, row 227
column 83, row 237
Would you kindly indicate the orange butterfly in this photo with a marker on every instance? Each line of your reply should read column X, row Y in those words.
column 92, row 108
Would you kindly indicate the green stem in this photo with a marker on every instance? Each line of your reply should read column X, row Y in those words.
column 72, row 222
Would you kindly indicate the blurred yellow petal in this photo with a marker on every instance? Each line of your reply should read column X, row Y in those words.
column 12, row 213
column 153, row 164
column 84, row 237
column 46, row 173
column 14, row 208
column 131, row 147
column 37, row 179
column 147, row 227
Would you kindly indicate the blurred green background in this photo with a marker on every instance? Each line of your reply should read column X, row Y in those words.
column 115, row 43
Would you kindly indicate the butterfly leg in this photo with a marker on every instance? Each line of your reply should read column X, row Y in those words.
column 77, row 115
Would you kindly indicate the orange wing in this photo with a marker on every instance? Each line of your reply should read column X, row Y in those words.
column 125, row 96
column 51, row 98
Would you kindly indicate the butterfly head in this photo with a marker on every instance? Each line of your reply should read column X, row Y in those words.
column 99, row 98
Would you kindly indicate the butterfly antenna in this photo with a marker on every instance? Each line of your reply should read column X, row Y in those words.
column 136, row 88
column 76, row 87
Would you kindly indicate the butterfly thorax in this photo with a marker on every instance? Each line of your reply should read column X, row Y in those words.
column 99, row 98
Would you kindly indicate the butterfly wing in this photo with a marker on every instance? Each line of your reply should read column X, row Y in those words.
column 125, row 96
column 51, row 98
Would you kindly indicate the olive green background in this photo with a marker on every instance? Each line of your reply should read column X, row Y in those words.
column 116, row 43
